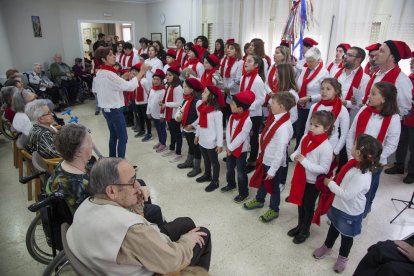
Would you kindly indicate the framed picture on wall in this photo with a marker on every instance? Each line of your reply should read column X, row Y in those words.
column 37, row 28
column 156, row 36
column 173, row 32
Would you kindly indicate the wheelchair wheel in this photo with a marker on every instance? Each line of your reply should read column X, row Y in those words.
column 37, row 243
column 58, row 265
column 6, row 129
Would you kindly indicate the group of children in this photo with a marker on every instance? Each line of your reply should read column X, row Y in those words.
column 193, row 107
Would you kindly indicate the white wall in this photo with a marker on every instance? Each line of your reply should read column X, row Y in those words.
column 5, row 57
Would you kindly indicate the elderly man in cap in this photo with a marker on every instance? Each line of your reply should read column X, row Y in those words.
column 110, row 235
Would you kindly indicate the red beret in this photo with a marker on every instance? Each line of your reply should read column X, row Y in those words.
column 136, row 66
column 174, row 69
column 195, row 84
column 230, row 40
column 172, row 53
column 159, row 73
column 218, row 93
column 213, row 60
column 285, row 43
column 399, row 49
column 246, row 97
column 307, row 41
column 373, row 47
column 344, row 46
column 197, row 49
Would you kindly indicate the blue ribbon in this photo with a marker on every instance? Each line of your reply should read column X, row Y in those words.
column 302, row 28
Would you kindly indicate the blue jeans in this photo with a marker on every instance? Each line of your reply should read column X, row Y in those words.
column 118, row 136
column 241, row 164
column 161, row 131
column 372, row 191
column 275, row 196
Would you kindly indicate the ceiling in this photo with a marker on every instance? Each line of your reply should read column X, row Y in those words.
column 135, row 1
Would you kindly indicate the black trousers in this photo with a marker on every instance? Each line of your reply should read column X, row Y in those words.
column 181, row 226
column 301, row 124
column 384, row 259
column 141, row 110
column 176, row 138
column 210, row 157
column 193, row 149
column 254, row 139
column 72, row 88
column 307, row 209
column 405, row 145
column 346, row 242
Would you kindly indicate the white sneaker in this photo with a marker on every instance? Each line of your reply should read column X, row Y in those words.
column 168, row 153
column 176, row 158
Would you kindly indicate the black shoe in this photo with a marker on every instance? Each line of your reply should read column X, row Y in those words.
column 301, row 237
column 140, row 134
column 294, row 231
column 203, row 178
column 396, row 169
column 97, row 112
column 240, row 198
column 409, row 179
column 227, row 188
column 225, row 159
column 195, row 172
column 287, row 199
column 212, row 186
column 250, row 168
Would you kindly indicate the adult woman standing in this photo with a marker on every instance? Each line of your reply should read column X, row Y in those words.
column 109, row 88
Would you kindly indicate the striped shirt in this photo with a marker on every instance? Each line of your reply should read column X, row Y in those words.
column 41, row 140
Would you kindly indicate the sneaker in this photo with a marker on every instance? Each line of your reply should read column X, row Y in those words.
column 147, row 137
column 161, row 148
column 140, row 134
column 156, row 146
column 212, row 186
column 340, row 264
column 409, row 179
column 396, row 169
column 168, row 153
column 203, row 178
column 321, row 252
column 176, row 158
column 227, row 188
column 269, row 216
column 253, row 204
column 240, row 198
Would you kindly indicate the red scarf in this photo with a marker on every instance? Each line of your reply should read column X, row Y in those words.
column 168, row 97
column 363, row 119
column 207, row 77
column 175, row 63
column 340, row 66
column 252, row 75
column 267, row 134
column 158, row 87
column 326, row 197
column 390, row 77
column 336, row 104
column 123, row 58
column 367, row 69
column 108, row 68
column 230, row 62
column 189, row 100
column 308, row 144
column 356, row 81
column 306, row 80
column 242, row 117
column 193, row 63
column 180, row 56
column 204, row 110
column 272, row 81
column 139, row 93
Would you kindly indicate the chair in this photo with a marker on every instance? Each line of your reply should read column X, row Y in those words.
column 76, row 264
column 25, row 156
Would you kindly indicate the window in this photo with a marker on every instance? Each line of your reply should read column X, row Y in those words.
column 126, row 32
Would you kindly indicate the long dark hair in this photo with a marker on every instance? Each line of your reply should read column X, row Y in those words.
column 370, row 149
column 220, row 53
column 258, row 47
column 389, row 92
column 260, row 66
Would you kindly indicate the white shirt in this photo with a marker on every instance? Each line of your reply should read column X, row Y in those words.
column 155, row 64
column 334, row 69
column 389, row 146
column 275, row 152
column 22, row 123
column 313, row 87
column 341, row 122
column 177, row 99
column 154, row 99
column 404, row 87
column 346, row 81
column 124, row 61
column 212, row 136
column 147, row 88
column 233, row 82
column 350, row 196
column 109, row 88
column 258, row 89
column 317, row 161
column 199, row 70
column 242, row 137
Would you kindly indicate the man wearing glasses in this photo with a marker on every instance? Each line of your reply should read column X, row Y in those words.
column 110, row 235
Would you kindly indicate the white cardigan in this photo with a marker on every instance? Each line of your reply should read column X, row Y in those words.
column 233, row 83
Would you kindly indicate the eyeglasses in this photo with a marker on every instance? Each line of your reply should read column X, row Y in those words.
column 131, row 182
column 48, row 113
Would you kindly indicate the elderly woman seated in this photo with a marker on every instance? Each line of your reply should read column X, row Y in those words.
column 42, row 134
column 43, row 85
column 21, row 122
column 6, row 96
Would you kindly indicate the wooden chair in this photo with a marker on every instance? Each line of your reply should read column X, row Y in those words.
column 23, row 155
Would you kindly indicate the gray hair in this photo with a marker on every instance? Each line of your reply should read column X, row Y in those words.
column 18, row 101
column 35, row 65
column 33, row 110
column 7, row 93
column 104, row 173
column 313, row 53
column 69, row 139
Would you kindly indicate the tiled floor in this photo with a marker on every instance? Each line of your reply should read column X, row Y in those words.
column 242, row 245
